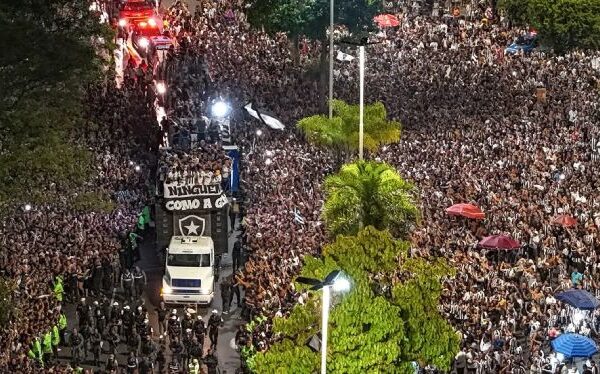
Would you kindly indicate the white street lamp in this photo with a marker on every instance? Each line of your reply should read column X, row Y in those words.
column 361, row 58
column 331, row 59
column 161, row 88
column 220, row 109
column 339, row 283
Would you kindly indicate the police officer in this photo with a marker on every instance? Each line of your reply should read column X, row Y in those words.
column 35, row 352
column 199, row 329
column 225, row 294
column 95, row 340
column 76, row 343
column 55, row 340
column 161, row 359
column 194, row 349
column 112, row 365
column 97, row 275
column 107, row 276
column 162, row 312
column 214, row 322
column 174, row 367
column 176, row 349
column 132, row 363
column 127, row 284
column 211, row 362
column 194, row 367
column 236, row 255
column 139, row 277
column 82, row 312
column 113, row 340
column 174, row 326
column 47, row 347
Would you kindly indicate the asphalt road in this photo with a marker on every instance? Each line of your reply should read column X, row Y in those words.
column 229, row 358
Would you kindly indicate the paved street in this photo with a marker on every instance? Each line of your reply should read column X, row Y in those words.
column 229, row 359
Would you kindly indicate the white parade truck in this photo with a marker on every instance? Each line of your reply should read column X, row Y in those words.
column 190, row 271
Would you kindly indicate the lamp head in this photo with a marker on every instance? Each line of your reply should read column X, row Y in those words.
column 220, row 109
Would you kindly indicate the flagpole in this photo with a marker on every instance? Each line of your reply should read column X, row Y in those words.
column 331, row 59
column 361, row 57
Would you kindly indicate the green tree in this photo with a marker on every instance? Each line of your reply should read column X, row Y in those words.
column 561, row 24
column 50, row 53
column 368, row 193
column 386, row 321
column 299, row 18
column 341, row 132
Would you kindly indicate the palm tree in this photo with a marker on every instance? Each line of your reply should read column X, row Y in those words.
column 341, row 132
column 367, row 193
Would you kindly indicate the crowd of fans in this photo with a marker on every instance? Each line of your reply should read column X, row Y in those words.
column 68, row 243
column 207, row 164
column 513, row 134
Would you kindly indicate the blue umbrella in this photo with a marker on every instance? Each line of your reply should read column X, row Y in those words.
column 574, row 345
column 580, row 299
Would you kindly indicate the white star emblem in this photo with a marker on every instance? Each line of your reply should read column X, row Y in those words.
column 192, row 228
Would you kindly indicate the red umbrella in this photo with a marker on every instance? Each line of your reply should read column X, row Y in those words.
column 387, row 20
column 564, row 220
column 466, row 210
column 499, row 242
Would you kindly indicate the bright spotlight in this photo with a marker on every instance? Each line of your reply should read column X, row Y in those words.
column 152, row 22
column 122, row 22
column 259, row 132
column 220, row 109
column 144, row 43
column 341, row 284
column 161, row 88
column 27, row 207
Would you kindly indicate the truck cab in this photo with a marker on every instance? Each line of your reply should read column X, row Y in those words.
column 189, row 271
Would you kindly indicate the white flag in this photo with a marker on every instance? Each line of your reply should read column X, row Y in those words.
column 344, row 56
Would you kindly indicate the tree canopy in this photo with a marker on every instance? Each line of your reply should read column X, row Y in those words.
column 341, row 132
column 368, row 193
column 50, row 54
column 387, row 320
column 311, row 18
column 561, row 24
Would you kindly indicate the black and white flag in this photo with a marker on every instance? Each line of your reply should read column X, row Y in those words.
column 267, row 119
column 298, row 217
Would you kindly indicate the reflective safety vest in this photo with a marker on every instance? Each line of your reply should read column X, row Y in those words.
column 35, row 353
column 55, row 336
column 62, row 322
column 58, row 288
column 193, row 368
column 47, row 342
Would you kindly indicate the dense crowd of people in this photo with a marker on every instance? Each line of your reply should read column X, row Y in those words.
column 70, row 241
column 513, row 134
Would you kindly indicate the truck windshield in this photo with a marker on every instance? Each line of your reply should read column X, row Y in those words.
column 190, row 260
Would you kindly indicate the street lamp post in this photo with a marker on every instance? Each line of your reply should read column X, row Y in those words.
column 361, row 60
column 339, row 283
column 331, row 59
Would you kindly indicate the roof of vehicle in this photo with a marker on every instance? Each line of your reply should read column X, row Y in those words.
column 191, row 244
